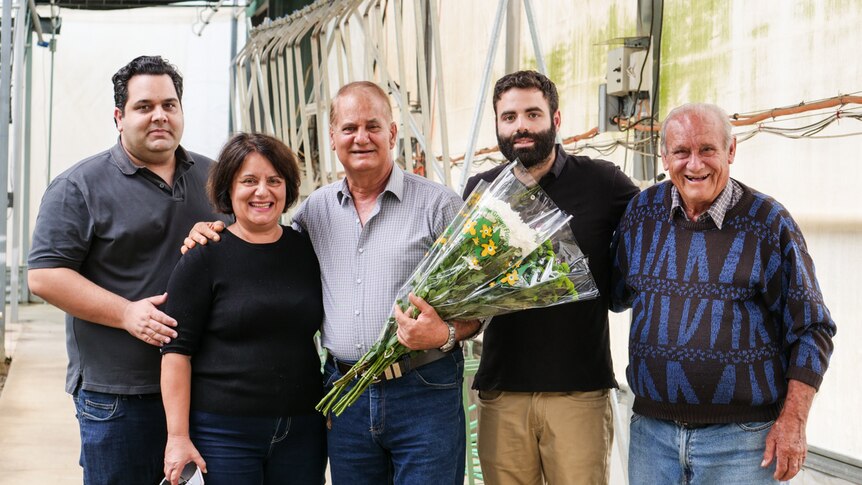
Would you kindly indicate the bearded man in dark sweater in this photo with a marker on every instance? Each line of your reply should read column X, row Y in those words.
column 545, row 412
column 730, row 336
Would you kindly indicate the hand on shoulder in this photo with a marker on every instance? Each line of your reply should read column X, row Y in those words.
column 201, row 233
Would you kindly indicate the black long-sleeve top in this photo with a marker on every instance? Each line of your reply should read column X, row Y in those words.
column 565, row 347
column 247, row 314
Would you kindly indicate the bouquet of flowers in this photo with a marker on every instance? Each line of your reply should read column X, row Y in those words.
column 509, row 248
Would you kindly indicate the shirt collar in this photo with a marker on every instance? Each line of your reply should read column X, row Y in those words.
column 124, row 163
column 728, row 197
column 395, row 185
column 559, row 162
column 556, row 168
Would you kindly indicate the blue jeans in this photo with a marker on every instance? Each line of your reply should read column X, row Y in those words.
column 407, row 431
column 243, row 450
column 122, row 437
column 664, row 452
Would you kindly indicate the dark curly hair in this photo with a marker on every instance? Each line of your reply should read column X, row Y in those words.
column 231, row 158
column 528, row 80
column 154, row 65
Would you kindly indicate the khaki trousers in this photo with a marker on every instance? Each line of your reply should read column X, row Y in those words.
column 558, row 438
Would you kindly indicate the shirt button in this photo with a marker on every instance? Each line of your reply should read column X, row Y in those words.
column 361, row 250
column 356, row 312
column 357, row 220
column 358, row 281
column 358, row 346
column 161, row 186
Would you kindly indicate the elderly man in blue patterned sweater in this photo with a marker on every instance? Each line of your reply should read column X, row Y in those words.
column 730, row 336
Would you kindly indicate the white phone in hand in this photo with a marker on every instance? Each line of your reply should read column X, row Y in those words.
column 191, row 475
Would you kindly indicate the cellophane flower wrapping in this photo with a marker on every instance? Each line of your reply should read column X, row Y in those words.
column 510, row 248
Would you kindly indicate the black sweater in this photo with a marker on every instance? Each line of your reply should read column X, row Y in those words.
column 565, row 347
column 247, row 314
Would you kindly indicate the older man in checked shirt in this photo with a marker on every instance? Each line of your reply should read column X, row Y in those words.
column 370, row 231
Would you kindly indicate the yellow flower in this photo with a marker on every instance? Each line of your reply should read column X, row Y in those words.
column 510, row 278
column 487, row 231
column 474, row 198
column 470, row 226
column 441, row 240
column 492, row 284
column 490, row 248
column 476, row 241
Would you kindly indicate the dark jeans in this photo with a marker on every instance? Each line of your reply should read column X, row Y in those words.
column 122, row 437
column 407, row 431
column 242, row 450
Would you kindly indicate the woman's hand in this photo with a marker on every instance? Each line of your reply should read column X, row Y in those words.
column 179, row 451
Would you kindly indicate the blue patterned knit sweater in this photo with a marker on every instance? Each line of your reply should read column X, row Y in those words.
column 720, row 318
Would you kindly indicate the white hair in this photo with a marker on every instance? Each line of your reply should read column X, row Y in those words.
column 705, row 110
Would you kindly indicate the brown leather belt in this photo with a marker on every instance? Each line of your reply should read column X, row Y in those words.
column 400, row 367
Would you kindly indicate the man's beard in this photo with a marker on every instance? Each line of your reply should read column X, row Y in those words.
column 543, row 144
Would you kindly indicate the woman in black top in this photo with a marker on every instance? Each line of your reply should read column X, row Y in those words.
column 240, row 381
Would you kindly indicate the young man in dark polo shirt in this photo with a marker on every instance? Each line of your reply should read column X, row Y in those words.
column 105, row 242
column 545, row 373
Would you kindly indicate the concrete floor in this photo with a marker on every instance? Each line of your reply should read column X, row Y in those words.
column 38, row 430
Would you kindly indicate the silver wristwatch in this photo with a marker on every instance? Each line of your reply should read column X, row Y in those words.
column 450, row 344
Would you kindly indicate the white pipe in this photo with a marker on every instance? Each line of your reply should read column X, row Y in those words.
column 18, row 121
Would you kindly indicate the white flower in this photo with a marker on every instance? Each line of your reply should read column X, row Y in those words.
column 472, row 262
column 517, row 233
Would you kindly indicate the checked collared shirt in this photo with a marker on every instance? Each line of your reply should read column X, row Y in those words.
column 363, row 267
column 728, row 198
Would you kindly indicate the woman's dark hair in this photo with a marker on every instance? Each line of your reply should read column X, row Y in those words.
column 234, row 154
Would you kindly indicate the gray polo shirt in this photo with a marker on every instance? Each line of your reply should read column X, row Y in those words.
column 362, row 268
column 121, row 227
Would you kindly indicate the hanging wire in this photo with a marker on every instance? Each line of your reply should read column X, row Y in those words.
column 605, row 148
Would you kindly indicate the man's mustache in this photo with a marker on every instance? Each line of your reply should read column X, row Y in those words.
column 525, row 134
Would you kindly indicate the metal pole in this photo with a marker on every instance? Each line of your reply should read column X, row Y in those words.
column 53, row 47
column 5, row 90
column 483, row 91
column 441, row 98
column 22, row 25
column 649, row 20
column 241, row 97
column 534, row 35
column 232, row 82
column 269, row 59
column 537, row 47
column 303, row 101
column 513, row 36
column 655, row 29
column 405, row 110
column 318, row 70
column 25, row 182
column 422, row 87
